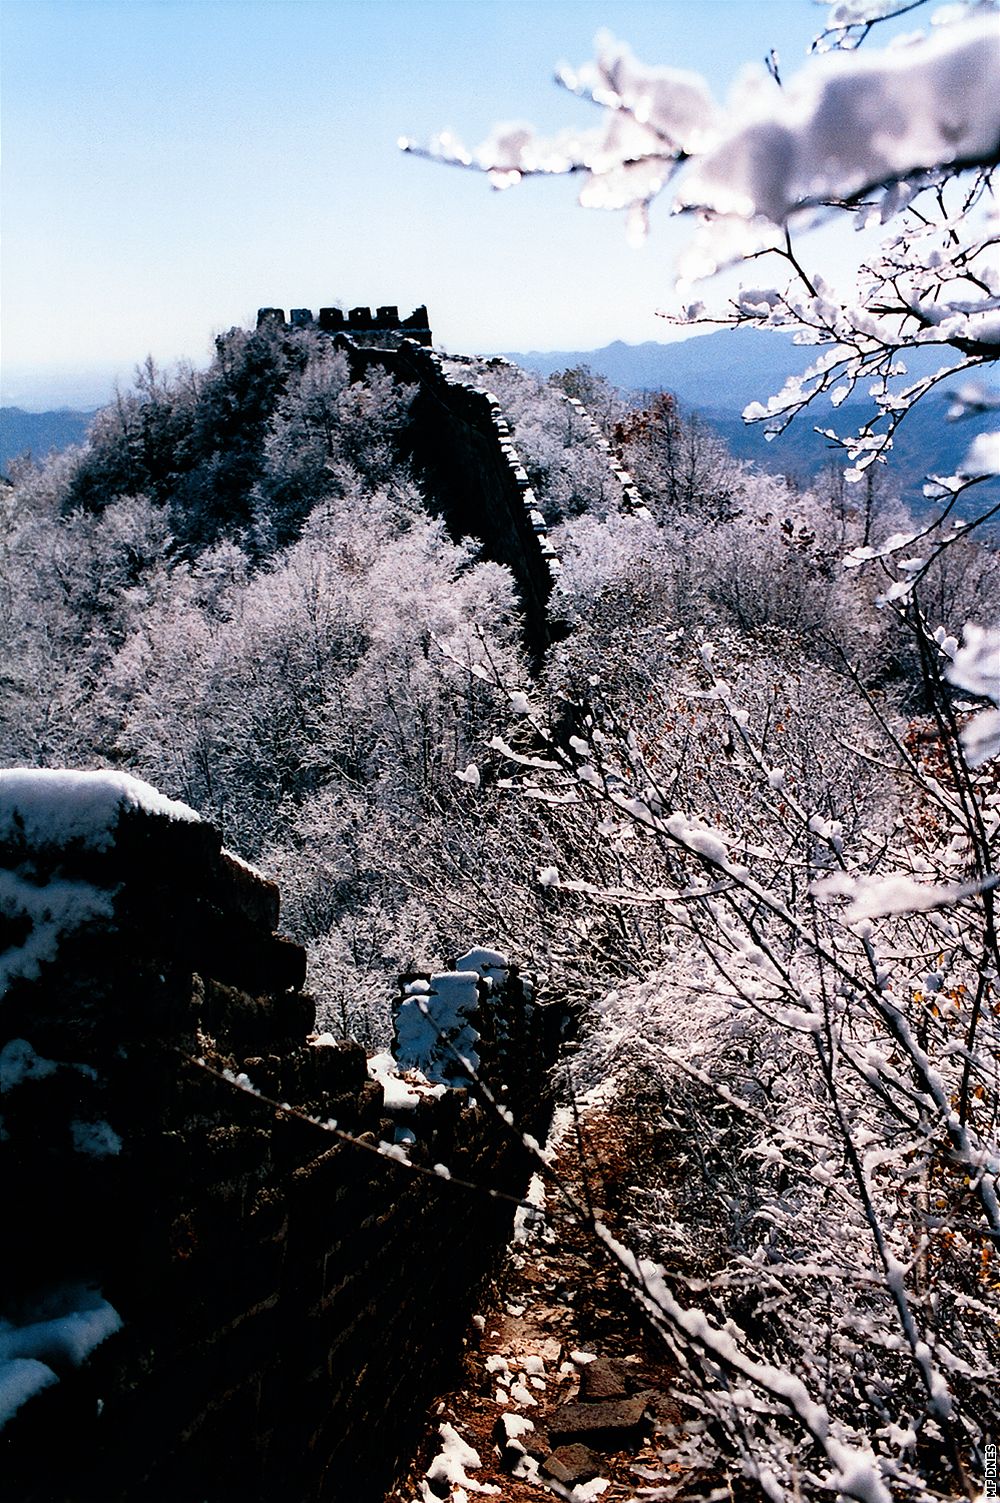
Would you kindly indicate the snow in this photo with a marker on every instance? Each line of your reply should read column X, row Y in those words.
column 434, row 1032
column 32, row 1352
column 975, row 666
column 588, row 1492
column 983, row 457
column 981, row 738
column 451, row 1466
column 850, row 120
column 877, row 897
column 20, row 1379
column 399, row 1095
column 19, row 1062
column 54, row 807
column 490, row 964
column 516, row 1425
column 859, row 1477
column 47, row 808
column 53, row 910
column 96, row 1139
column 698, row 838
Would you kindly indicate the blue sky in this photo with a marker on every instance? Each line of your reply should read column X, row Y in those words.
column 170, row 165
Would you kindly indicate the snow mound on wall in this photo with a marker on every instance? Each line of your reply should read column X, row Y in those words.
column 490, row 964
column 400, row 1094
column 52, row 807
column 434, row 1029
column 69, row 1325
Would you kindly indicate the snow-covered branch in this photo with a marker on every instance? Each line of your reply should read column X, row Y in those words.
column 909, row 132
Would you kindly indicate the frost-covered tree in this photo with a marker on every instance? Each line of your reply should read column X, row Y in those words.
column 679, row 464
column 798, row 870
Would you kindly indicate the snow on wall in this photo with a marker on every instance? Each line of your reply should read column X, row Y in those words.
column 435, row 1027
column 66, row 1327
column 237, row 1283
column 52, row 807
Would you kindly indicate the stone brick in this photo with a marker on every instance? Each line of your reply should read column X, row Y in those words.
column 264, row 1272
column 572, row 1464
column 617, row 1422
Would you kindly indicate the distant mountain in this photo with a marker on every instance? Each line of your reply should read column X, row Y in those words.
column 717, row 375
column 39, row 433
column 724, row 370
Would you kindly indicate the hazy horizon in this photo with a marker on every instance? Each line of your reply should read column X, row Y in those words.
column 91, row 387
column 170, row 167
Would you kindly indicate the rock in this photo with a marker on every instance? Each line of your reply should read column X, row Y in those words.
column 537, row 1442
column 614, row 1422
column 607, row 1378
column 571, row 1464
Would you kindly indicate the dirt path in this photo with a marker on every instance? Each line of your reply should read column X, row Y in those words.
column 562, row 1390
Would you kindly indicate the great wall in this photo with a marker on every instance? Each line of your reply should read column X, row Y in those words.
column 243, row 1258
column 462, row 444
column 241, row 1263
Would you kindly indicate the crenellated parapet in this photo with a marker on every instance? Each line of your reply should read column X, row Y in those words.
column 380, row 326
column 631, row 503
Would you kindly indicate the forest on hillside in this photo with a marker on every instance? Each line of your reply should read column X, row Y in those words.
column 703, row 822
column 744, row 817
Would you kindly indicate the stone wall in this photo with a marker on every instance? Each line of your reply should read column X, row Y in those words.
column 631, row 502
column 208, row 1295
column 385, row 323
column 462, row 444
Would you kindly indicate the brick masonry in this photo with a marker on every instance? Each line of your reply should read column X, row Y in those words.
column 289, row 1300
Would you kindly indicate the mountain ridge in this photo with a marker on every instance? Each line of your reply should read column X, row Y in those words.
column 715, row 376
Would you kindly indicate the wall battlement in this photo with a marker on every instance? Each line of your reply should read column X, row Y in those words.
column 211, row 1296
column 357, row 323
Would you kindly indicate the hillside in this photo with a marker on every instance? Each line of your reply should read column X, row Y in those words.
column 731, row 810
column 39, row 433
column 716, row 375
